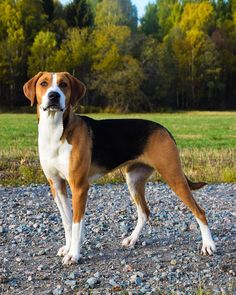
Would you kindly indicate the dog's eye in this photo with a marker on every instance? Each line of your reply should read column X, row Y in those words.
column 63, row 85
column 44, row 84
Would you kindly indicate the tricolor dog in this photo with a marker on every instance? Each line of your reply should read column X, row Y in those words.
column 77, row 149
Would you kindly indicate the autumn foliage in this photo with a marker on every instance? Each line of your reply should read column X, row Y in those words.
column 180, row 55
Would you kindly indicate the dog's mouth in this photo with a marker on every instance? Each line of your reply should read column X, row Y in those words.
column 53, row 107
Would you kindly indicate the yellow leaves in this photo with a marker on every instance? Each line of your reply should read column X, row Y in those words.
column 197, row 15
column 195, row 38
column 46, row 40
column 8, row 14
column 109, row 44
column 195, row 20
column 11, row 19
column 116, row 74
column 112, row 34
column 190, row 45
column 110, row 61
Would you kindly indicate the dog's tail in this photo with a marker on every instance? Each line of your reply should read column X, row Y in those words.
column 195, row 185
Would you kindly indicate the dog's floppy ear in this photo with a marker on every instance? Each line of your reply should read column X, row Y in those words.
column 30, row 87
column 78, row 89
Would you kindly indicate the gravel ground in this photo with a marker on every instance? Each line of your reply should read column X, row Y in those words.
column 166, row 259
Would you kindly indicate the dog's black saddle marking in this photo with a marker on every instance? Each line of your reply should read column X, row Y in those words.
column 116, row 141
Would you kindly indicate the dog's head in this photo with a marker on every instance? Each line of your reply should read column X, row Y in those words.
column 54, row 91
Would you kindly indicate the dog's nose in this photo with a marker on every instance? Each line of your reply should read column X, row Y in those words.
column 53, row 95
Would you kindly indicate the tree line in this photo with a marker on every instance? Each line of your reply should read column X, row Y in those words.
column 180, row 55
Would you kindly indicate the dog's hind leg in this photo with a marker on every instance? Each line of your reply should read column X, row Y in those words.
column 162, row 154
column 58, row 188
column 136, row 176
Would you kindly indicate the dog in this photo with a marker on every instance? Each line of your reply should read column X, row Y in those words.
column 77, row 149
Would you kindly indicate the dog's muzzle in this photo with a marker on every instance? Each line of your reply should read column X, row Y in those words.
column 53, row 102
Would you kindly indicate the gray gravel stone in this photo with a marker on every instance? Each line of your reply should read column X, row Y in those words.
column 2, row 229
column 73, row 275
column 136, row 279
column 57, row 291
column 91, row 282
column 70, row 282
column 113, row 283
column 97, row 275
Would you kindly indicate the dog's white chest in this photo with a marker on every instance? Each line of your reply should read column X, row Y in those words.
column 54, row 154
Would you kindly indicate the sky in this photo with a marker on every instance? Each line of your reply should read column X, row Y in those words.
column 140, row 4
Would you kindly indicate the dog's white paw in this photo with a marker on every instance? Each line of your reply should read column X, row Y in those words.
column 70, row 259
column 129, row 241
column 63, row 250
column 208, row 247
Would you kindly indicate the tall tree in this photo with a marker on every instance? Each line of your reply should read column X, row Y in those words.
column 116, row 12
column 109, row 12
column 209, row 75
column 149, row 22
column 48, row 8
column 113, row 68
column 168, row 14
column 93, row 4
column 43, row 53
column 75, row 53
column 224, row 38
column 78, row 14
column 196, row 21
column 58, row 11
column 223, row 9
column 110, row 43
column 160, row 75
column 12, row 49
column 33, row 17
column 199, row 15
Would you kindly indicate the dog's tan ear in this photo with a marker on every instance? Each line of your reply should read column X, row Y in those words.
column 78, row 89
column 30, row 88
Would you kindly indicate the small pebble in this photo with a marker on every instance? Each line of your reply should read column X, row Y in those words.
column 173, row 262
column 135, row 279
column 70, row 282
column 113, row 283
column 91, row 282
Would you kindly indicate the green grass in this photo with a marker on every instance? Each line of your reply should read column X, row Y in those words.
column 207, row 143
column 194, row 129
column 18, row 132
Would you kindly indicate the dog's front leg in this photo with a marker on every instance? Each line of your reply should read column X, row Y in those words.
column 58, row 188
column 79, row 198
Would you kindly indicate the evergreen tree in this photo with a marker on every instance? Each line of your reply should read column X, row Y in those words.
column 149, row 22
column 48, row 8
column 78, row 14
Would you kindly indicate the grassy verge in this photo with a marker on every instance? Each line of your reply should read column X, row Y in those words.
column 206, row 141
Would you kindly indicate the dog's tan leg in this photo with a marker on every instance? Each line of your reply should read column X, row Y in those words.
column 58, row 188
column 79, row 189
column 163, row 154
column 136, row 176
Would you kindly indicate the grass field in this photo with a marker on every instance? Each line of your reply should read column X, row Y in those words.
column 207, row 143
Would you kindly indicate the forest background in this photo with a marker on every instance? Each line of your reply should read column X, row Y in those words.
column 180, row 55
